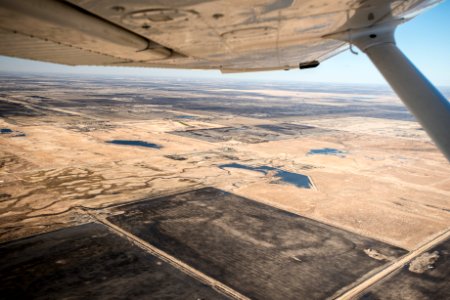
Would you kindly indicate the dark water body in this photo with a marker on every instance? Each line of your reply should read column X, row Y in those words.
column 298, row 180
column 184, row 117
column 11, row 133
column 135, row 143
column 326, row 151
column 5, row 130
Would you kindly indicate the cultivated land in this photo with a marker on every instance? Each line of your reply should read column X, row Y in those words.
column 347, row 165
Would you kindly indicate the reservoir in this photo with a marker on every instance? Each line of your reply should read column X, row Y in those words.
column 281, row 176
column 326, row 151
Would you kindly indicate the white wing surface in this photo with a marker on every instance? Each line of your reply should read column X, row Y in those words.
column 233, row 35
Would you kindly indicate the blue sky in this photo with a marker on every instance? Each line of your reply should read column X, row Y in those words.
column 425, row 40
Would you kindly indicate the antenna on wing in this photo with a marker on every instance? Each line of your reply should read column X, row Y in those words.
column 352, row 50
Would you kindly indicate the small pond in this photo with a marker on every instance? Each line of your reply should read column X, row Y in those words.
column 326, row 151
column 5, row 130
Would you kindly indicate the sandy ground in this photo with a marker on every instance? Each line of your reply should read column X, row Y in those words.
column 390, row 183
column 392, row 189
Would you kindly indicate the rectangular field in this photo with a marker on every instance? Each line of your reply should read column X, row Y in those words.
column 260, row 251
column 426, row 277
column 252, row 134
column 90, row 262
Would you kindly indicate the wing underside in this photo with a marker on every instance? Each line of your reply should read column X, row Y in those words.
column 233, row 36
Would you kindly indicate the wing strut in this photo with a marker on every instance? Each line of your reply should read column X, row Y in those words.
column 423, row 100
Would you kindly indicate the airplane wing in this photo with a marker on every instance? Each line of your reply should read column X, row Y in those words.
column 232, row 36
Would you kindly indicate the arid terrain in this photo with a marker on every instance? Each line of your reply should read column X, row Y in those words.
column 352, row 170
